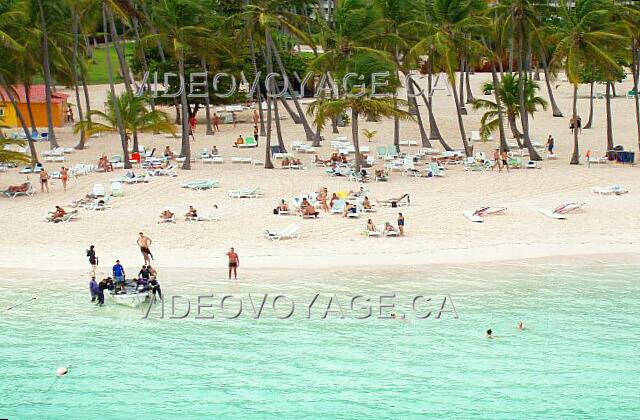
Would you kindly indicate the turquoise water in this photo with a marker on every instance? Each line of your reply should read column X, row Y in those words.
column 578, row 356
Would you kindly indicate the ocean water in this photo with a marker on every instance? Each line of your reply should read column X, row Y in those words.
column 578, row 357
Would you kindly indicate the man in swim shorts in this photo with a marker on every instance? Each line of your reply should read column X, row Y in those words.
column 144, row 242
column 234, row 263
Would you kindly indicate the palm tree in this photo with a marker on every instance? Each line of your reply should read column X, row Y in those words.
column 136, row 118
column 509, row 104
column 46, row 64
column 522, row 19
column 446, row 35
column 7, row 155
column 374, row 108
column 584, row 36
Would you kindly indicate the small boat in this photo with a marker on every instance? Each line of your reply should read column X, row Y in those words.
column 132, row 296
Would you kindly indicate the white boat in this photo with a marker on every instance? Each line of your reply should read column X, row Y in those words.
column 132, row 298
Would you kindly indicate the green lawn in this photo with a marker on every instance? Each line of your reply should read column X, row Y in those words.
column 97, row 71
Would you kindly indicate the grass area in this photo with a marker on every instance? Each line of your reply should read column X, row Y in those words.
column 97, row 72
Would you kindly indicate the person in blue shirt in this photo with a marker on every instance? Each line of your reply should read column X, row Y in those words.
column 118, row 273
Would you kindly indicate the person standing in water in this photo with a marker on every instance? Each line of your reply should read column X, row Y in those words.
column 520, row 326
column 144, row 242
column 234, row 263
column 93, row 260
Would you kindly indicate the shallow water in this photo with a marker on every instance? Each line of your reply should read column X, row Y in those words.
column 577, row 357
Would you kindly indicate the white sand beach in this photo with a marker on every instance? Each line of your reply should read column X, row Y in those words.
column 436, row 230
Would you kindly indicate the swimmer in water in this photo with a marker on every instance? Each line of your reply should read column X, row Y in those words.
column 490, row 333
column 520, row 326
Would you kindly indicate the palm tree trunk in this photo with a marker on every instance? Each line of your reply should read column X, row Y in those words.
column 74, row 71
column 463, row 135
column 258, row 92
column 524, row 116
column 470, row 97
column 609, row 122
column 396, row 127
column 305, row 124
column 513, row 126
column 268, row 164
column 575, row 157
column 116, row 44
column 463, row 109
column 276, row 113
column 413, row 106
column 23, row 122
column 85, row 89
column 636, row 70
column 590, row 120
column 547, row 81
column 185, row 150
column 143, row 60
column 114, row 98
column 27, row 94
column 207, row 103
column 356, row 142
column 613, row 89
column 334, row 126
column 290, row 111
column 503, row 136
column 427, row 103
column 51, row 135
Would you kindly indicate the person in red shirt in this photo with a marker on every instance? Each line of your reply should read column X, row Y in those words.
column 234, row 263
column 192, row 127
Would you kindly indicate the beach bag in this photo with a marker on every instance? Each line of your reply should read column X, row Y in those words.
column 276, row 211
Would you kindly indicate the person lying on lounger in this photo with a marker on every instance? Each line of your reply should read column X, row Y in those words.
column 349, row 208
column 370, row 226
column 395, row 201
column 214, row 151
column 18, row 188
column 57, row 215
column 380, row 174
column 389, row 228
column 191, row 213
column 318, row 160
column 166, row 215
column 335, row 158
column 104, row 164
column 168, row 153
column 366, row 204
column 306, row 209
column 282, row 207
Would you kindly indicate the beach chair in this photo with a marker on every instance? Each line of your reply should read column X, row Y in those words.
column 355, row 214
column 373, row 233
column 238, row 159
column 168, row 171
column 54, row 159
column 611, row 190
column 13, row 194
column 72, row 215
column 408, row 142
column 205, row 184
column 249, row 142
column 477, row 215
column 560, row 211
column 532, row 164
column 631, row 94
column 435, row 169
column 337, row 207
column 98, row 190
column 514, row 162
column 116, row 189
column 98, row 205
column 475, row 136
column 172, row 219
column 390, row 233
column 289, row 232
column 211, row 217
column 245, row 193
column 404, row 201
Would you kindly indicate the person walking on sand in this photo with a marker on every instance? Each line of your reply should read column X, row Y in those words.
column 234, row 119
column 144, row 242
column 44, row 180
column 216, row 122
column 497, row 160
column 256, row 117
column 93, row 260
column 64, row 176
column 234, row 263
column 550, row 144
column 505, row 159
column 401, row 224
column 256, row 134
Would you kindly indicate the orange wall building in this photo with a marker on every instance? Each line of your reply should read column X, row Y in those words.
column 37, row 97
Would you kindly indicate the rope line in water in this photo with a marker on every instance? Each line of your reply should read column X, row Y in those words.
column 8, row 308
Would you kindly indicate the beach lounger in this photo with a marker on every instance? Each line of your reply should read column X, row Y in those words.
column 560, row 211
column 72, row 215
column 612, row 190
column 211, row 217
column 337, row 207
column 373, row 233
column 475, row 136
column 116, row 189
column 172, row 219
column 98, row 190
column 404, row 201
column 213, row 159
column 390, row 234
column 201, row 184
column 289, row 232
column 435, row 170
column 237, row 159
column 532, row 164
column 13, row 194
column 245, row 193
column 249, row 142
column 54, row 159
column 98, row 205
column 477, row 215
column 408, row 142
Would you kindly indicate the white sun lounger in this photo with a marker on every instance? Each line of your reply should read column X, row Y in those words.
column 245, row 193
column 170, row 220
column 477, row 215
column 211, row 217
column 560, row 211
column 237, row 159
column 611, row 190
column 289, row 232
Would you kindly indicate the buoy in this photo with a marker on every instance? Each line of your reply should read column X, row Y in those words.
column 61, row 371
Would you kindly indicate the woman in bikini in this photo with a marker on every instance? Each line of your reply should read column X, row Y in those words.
column 64, row 176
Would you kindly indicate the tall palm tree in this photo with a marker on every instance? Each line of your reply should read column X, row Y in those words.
column 584, row 36
column 508, row 103
column 46, row 64
column 136, row 118
column 447, row 33
column 375, row 108
column 521, row 19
